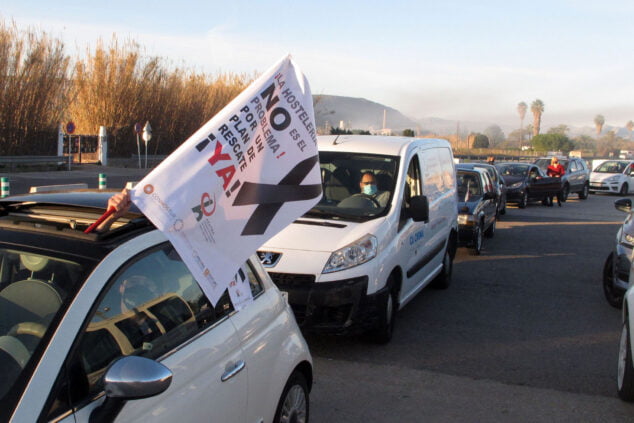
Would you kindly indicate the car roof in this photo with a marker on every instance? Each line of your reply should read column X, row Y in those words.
column 68, row 213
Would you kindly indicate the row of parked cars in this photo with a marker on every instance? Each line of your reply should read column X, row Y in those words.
column 112, row 326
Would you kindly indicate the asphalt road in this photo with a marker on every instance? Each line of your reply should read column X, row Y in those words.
column 523, row 334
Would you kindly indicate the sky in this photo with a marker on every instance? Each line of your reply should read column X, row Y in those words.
column 462, row 60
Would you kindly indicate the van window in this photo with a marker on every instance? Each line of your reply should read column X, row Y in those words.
column 432, row 174
column 413, row 187
column 448, row 169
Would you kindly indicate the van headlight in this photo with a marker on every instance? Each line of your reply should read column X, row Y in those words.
column 362, row 250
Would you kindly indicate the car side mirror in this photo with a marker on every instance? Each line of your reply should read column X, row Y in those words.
column 129, row 378
column 419, row 208
column 624, row 205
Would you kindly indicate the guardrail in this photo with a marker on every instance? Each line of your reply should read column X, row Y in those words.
column 14, row 163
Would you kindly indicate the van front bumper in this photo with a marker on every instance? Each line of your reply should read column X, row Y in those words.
column 334, row 307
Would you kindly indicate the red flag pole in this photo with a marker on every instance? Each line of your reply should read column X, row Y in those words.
column 100, row 220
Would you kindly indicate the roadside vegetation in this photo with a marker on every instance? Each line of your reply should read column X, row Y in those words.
column 114, row 85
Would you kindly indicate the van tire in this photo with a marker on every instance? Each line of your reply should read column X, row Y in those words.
column 382, row 333
column 443, row 280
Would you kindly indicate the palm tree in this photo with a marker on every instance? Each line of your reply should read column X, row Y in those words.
column 599, row 120
column 630, row 127
column 521, row 109
column 537, row 108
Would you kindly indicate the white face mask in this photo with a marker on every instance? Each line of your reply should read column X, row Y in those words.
column 369, row 189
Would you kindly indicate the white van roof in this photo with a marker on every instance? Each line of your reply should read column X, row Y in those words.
column 372, row 144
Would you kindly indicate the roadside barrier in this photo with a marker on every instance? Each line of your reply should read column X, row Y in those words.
column 102, row 181
column 4, row 182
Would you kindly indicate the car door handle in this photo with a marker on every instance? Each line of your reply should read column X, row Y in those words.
column 234, row 370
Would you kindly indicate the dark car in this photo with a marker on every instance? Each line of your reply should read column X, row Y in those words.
column 575, row 180
column 477, row 207
column 526, row 182
column 616, row 270
column 496, row 179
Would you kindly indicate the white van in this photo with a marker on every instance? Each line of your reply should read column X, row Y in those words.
column 354, row 259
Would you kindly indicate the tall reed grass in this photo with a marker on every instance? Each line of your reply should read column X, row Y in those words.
column 115, row 85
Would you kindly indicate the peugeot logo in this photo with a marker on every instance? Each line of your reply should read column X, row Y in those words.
column 268, row 258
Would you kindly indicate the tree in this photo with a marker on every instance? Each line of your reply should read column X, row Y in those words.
column 408, row 133
column 559, row 129
column 339, row 131
column 495, row 135
column 481, row 141
column 537, row 108
column 599, row 120
column 630, row 127
column 552, row 142
column 521, row 110
column 584, row 142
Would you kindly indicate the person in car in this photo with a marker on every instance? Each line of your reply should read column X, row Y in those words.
column 556, row 170
column 121, row 202
column 368, row 187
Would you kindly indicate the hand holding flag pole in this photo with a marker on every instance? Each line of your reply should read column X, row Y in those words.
column 118, row 205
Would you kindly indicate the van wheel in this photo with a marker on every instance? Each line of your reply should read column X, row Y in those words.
column 443, row 280
column 625, row 373
column 382, row 334
column 477, row 242
column 294, row 403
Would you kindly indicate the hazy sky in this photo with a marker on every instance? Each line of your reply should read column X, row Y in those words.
column 453, row 59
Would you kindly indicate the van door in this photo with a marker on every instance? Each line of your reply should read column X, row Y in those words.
column 415, row 237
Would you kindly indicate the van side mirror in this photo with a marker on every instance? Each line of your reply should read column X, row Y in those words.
column 489, row 195
column 624, row 205
column 419, row 208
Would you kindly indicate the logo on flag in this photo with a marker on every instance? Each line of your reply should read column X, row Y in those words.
column 241, row 178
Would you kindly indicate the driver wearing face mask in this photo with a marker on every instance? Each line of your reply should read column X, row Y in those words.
column 369, row 188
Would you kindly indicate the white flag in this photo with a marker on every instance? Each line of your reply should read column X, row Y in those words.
column 241, row 178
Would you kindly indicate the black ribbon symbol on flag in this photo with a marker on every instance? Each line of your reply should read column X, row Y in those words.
column 270, row 198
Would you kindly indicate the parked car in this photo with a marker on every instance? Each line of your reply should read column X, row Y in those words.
column 114, row 326
column 351, row 261
column 477, row 207
column 496, row 180
column 527, row 182
column 575, row 180
column 613, row 176
column 616, row 270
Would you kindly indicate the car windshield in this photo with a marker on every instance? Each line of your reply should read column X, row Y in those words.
column 513, row 169
column 468, row 186
column 611, row 166
column 33, row 288
column 356, row 187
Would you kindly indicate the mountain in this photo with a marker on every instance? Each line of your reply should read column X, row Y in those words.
column 358, row 113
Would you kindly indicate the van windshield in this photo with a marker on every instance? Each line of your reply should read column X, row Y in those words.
column 356, row 186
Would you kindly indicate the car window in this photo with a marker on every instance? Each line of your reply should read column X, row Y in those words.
column 150, row 306
column 34, row 288
column 469, row 187
column 573, row 166
column 413, row 187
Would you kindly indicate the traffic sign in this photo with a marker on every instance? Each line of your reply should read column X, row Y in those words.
column 70, row 127
column 138, row 128
column 147, row 132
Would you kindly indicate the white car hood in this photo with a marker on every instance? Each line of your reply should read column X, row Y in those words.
column 600, row 177
column 320, row 235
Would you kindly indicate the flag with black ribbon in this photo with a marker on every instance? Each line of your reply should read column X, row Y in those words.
column 241, row 178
